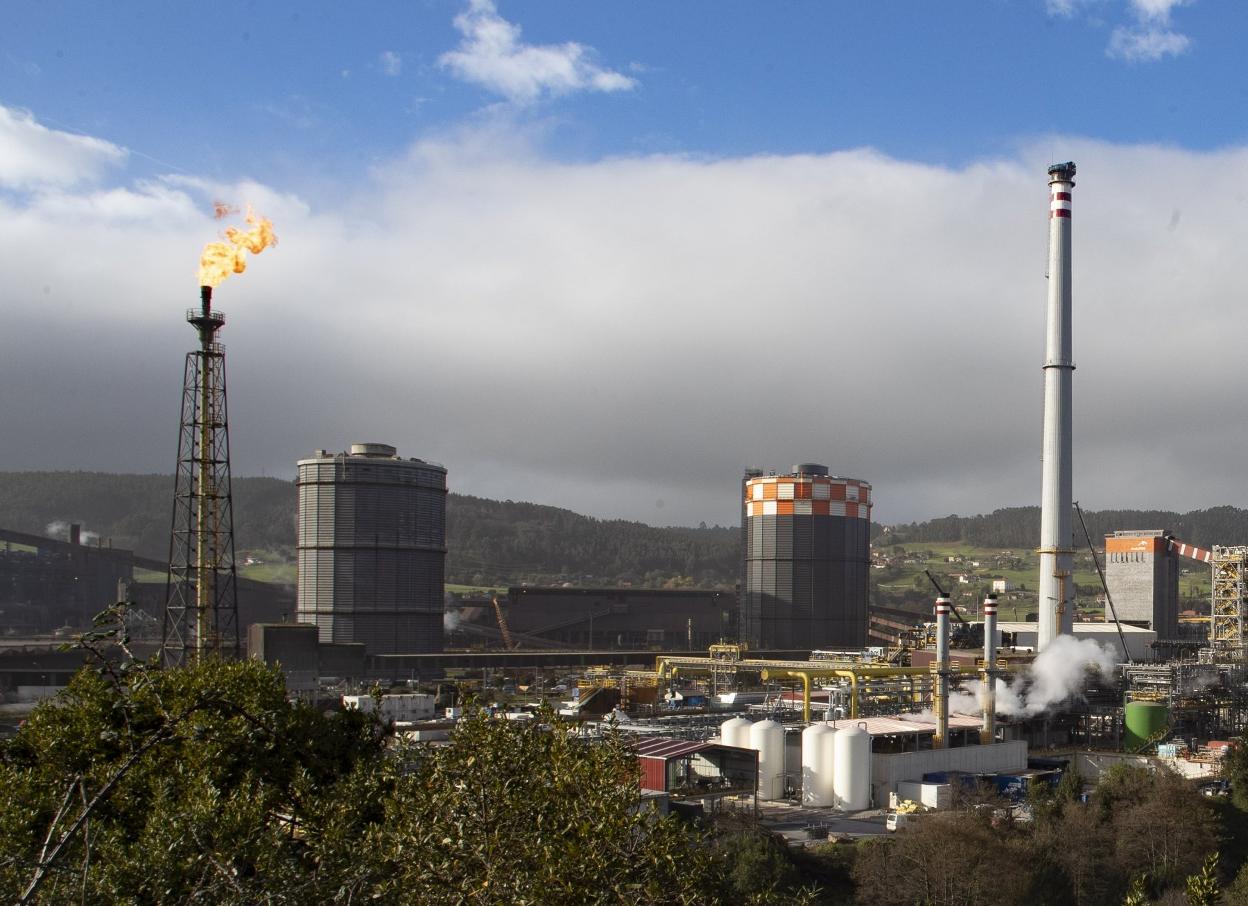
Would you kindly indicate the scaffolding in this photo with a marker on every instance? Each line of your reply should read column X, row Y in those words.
column 1205, row 700
column 1227, row 623
column 201, row 592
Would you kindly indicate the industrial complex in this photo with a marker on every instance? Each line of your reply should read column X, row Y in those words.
column 789, row 690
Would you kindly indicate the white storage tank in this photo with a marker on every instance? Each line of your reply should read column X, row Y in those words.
column 852, row 775
column 812, row 767
column 767, row 737
column 826, row 776
column 735, row 732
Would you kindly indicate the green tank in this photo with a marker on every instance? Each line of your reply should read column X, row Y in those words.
column 1143, row 722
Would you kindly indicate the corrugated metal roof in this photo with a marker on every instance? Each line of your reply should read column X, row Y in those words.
column 667, row 747
column 892, row 726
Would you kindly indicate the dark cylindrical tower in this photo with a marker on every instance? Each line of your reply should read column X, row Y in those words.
column 808, row 538
column 372, row 549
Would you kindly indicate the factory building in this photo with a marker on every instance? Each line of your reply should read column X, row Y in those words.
column 807, row 556
column 1142, row 573
column 372, row 549
column 667, row 619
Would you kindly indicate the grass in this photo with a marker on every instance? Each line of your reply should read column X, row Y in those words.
column 476, row 589
column 275, row 573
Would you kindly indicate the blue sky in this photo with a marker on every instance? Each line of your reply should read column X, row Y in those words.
column 304, row 90
column 604, row 255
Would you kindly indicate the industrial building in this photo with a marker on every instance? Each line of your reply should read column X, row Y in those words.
column 1142, row 575
column 371, row 547
column 807, row 557
column 47, row 584
column 597, row 618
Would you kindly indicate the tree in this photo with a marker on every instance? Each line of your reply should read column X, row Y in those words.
column 529, row 813
column 1235, row 769
column 1202, row 887
column 988, row 866
column 206, row 784
column 167, row 785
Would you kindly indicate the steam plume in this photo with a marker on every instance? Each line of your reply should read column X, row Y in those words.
column 1056, row 675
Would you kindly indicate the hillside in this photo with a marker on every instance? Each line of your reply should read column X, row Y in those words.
column 502, row 542
column 489, row 541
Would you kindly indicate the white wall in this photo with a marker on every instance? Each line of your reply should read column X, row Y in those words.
column 887, row 770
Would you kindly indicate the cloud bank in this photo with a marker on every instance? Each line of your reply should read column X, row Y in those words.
column 34, row 156
column 623, row 336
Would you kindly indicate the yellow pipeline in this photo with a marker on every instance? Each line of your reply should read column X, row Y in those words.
column 853, row 674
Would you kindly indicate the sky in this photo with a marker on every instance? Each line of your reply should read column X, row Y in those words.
column 606, row 255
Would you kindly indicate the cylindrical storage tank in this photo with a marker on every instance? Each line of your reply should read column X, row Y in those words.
column 371, row 548
column 811, row 752
column 826, row 773
column 1143, row 723
column 851, row 783
column 735, row 732
column 807, row 559
column 767, row 737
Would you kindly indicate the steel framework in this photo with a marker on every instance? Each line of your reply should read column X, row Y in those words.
column 201, row 593
column 1229, row 614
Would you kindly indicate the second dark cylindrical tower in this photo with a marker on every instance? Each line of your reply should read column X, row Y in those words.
column 808, row 537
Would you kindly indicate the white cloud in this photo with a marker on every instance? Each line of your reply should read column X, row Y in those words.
column 391, row 63
column 33, row 156
column 1150, row 37
column 1156, row 10
column 610, row 335
column 492, row 55
column 1146, row 45
column 1064, row 8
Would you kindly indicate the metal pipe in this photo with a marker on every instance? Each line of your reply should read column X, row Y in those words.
column 205, row 497
column 855, row 675
column 988, row 733
column 940, row 696
column 1055, row 606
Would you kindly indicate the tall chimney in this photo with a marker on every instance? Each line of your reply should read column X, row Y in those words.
column 940, row 699
column 988, row 732
column 75, row 534
column 1056, row 605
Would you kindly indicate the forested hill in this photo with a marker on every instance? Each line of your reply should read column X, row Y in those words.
column 501, row 542
column 489, row 541
column 1020, row 527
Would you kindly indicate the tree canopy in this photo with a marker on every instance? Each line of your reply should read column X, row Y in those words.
column 205, row 784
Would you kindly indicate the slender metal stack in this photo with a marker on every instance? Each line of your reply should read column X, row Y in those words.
column 1056, row 603
column 988, row 700
column 940, row 698
column 201, row 597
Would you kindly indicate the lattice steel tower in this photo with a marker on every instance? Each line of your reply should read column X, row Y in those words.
column 201, row 594
column 1228, row 621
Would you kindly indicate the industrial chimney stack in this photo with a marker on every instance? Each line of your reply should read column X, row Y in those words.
column 1056, row 603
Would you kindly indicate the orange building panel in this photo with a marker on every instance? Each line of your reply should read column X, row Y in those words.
column 1151, row 545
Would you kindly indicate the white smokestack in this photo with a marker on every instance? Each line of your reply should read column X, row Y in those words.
column 940, row 700
column 988, row 732
column 1056, row 604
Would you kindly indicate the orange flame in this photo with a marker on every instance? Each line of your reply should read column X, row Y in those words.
column 223, row 209
column 220, row 259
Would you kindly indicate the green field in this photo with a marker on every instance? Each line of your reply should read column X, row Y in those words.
column 476, row 589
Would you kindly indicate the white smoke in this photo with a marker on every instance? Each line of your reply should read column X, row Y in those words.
column 1057, row 674
column 59, row 530
column 450, row 620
